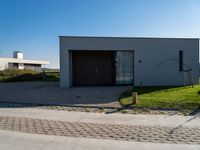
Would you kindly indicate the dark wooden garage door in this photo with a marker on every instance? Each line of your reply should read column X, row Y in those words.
column 92, row 68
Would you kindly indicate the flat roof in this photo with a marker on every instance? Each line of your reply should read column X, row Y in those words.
column 128, row 37
column 24, row 61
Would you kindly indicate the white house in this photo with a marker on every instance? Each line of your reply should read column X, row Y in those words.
column 88, row 61
column 18, row 62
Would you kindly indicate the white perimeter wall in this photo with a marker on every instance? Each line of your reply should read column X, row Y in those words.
column 3, row 65
column 159, row 56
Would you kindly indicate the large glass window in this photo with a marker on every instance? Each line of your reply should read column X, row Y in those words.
column 124, row 67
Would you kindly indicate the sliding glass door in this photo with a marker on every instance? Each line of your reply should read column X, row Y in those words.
column 124, row 67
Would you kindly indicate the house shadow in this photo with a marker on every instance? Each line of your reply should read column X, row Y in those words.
column 36, row 105
column 197, row 115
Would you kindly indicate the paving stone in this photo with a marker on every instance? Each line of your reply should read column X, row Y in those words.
column 105, row 131
column 91, row 109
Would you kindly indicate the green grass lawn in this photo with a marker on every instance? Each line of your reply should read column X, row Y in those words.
column 27, row 75
column 165, row 97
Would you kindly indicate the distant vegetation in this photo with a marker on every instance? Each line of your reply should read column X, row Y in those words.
column 28, row 75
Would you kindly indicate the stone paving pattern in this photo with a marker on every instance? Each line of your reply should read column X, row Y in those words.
column 94, row 109
column 102, row 131
column 51, row 93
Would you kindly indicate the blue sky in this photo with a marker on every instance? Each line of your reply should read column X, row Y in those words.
column 33, row 26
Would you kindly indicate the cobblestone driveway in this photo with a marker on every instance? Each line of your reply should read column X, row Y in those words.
column 51, row 93
column 102, row 131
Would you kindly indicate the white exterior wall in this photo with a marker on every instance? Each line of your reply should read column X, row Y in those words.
column 4, row 62
column 159, row 56
column 3, row 65
column 21, row 66
column 18, row 55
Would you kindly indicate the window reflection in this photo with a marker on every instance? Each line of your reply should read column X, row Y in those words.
column 124, row 67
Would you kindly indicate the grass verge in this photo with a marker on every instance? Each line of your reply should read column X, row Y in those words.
column 164, row 97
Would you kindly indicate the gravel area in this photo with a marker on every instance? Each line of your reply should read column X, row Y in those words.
column 99, row 109
column 102, row 131
column 50, row 93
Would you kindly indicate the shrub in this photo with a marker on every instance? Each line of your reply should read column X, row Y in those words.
column 27, row 75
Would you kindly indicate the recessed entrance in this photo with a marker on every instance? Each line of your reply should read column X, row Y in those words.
column 93, row 68
column 102, row 68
